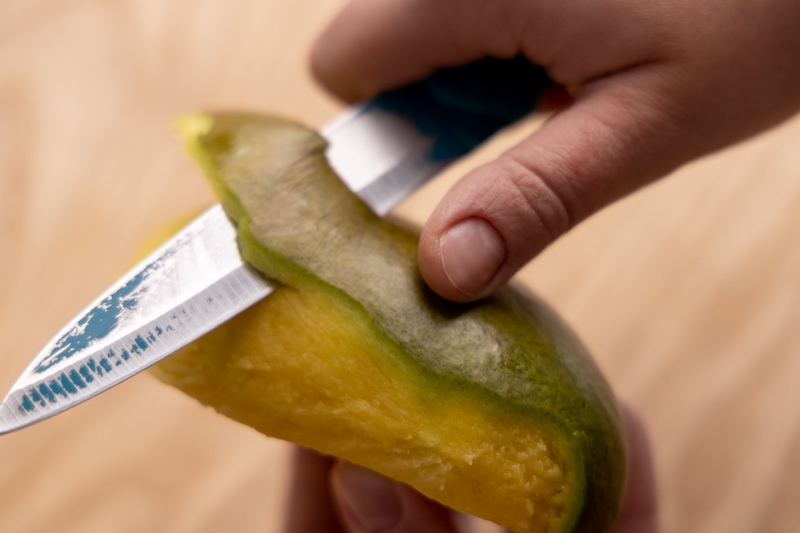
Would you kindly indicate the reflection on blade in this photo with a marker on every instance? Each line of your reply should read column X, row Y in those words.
column 382, row 156
column 190, row 285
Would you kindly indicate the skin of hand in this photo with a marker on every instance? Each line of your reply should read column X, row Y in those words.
column 649, row 86
column 336, row 497
column 652, row 85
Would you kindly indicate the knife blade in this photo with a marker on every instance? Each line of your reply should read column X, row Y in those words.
column 384, row 150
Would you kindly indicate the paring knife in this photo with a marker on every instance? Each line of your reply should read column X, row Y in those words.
column 384, row 150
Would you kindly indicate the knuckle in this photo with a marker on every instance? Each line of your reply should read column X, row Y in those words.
column 545, row 207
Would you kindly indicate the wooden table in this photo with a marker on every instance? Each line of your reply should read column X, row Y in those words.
column 688, row 292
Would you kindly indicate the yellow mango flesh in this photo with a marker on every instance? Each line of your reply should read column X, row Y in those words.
column 295, row 368
column 493, row 409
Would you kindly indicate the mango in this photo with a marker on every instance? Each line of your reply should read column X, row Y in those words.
column 492, row 408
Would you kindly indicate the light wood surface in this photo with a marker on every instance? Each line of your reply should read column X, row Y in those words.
column 688, row 292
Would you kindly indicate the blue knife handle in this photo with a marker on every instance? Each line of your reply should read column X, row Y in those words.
column 464, row 106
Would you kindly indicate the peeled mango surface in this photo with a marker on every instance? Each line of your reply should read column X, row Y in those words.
column 493, row 408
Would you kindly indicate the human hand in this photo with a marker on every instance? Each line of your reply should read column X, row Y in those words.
column 333, row 497
column 651, row 85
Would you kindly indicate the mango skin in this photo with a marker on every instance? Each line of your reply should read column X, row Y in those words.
column 493, row 408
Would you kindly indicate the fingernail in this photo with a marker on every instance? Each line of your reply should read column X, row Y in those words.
column 371, row 498
column 472, row 252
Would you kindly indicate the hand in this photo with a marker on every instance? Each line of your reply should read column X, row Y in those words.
column 651, row 84
column 333, row 497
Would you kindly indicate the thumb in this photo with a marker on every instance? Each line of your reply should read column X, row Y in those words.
column 613, row 139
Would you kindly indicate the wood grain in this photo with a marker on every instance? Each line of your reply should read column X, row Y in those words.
column 687, row 292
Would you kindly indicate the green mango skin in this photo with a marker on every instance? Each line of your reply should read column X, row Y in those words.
column 299, row 225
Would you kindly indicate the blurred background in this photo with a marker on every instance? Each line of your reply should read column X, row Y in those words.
column 687, row 293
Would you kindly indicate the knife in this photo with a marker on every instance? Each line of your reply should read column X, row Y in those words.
column 383, row 150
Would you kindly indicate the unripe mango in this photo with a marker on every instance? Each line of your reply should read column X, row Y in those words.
column 493, row 408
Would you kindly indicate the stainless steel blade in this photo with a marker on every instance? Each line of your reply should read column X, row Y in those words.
column 381, row 155
column 186, row 288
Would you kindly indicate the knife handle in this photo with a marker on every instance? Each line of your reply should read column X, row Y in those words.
column 464, row 106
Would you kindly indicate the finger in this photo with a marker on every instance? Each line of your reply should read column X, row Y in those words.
column 371, row 46
column 639, row 512
column 606, row 144
column 375, row 45
column 311, row 506
column 651, row 97
column 370, row 503
column 612, row 140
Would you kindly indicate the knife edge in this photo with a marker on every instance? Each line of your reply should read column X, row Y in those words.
column 190, row 285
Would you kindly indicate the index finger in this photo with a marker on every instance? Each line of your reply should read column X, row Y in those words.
column 372, row 46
